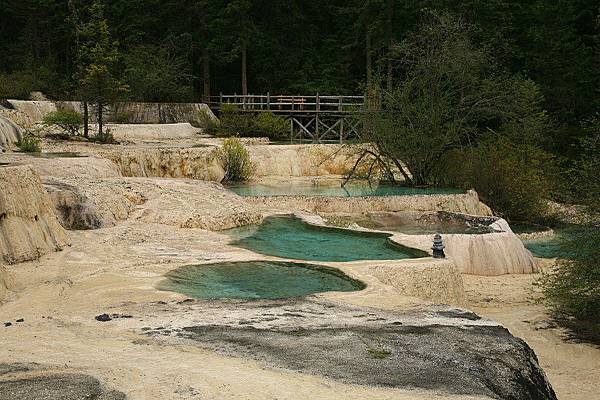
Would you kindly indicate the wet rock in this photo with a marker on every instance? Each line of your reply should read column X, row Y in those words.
column 20, row 320
column 57, row 386
column 7, row 324
column 463, row 314
column 114, row 316
column 489, row 362
column 442, row 349
column 74, row 210
column 103, row 318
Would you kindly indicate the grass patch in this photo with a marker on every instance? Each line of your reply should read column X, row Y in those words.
column 378, row 353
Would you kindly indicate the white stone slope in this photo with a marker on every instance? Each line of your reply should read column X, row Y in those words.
column 34, row 110
column 10, row 134
column 467, row 203
column 138, row 132
column 28, row 225
column 103, row 202
column 487, row 254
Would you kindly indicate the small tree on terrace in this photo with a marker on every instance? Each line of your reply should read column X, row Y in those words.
column 98, row 55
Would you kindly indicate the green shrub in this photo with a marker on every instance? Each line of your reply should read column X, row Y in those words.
column 68, row 121
column 572, row 289
column 510, row 178
column 235, row 160
column 121, row 118
column 29, row 143
column 105, row 137
column 270, row 125
column 583, row 179
column 207, row 122
column 234, row 122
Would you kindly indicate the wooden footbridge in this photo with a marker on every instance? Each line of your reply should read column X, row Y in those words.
column 316, row 119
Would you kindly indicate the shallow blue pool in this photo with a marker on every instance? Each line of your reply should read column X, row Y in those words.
column 257, row 280
column 290, row 237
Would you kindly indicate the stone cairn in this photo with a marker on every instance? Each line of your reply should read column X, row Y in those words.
column 438, row 246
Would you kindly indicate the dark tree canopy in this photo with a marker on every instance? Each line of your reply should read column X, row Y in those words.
column 196, row 47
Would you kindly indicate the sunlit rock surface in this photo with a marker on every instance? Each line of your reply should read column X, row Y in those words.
column 28, row 224
column 10, row 134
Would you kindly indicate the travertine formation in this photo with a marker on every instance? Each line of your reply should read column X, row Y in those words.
column 193, row 163
column 487, row 254
column 137, row 113
column 467, row 203
column 438, row 281
column 201, row 162
column 122, row 132
column 101, row 203
column 302, row 160
column 28, row 225
column 34, row 110
column 10, row 134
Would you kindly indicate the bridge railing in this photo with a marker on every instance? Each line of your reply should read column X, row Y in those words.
column 290, row 103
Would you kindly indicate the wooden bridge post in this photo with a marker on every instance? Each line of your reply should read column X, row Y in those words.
column 291, row 129
column 342, row 130
column 317, row 107
column 268, row 100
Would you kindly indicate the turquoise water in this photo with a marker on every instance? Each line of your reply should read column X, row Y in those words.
column 336, row 190
column 257, row 280
column 554, row 247
column 290, row 237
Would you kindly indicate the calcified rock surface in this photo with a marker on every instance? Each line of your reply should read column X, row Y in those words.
column 467, row 203
column 10, row 134
column 370, row 347
column 28, row 225
column 152, row 131
column 192, row 163
column 439, row 281
column 6, row 283
column 34, row 110
column 487, row 254
column 302, row 160
column 97, row 203
column 138, row 113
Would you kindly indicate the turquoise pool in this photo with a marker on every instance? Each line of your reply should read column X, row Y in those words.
column 290, row 237
column 257, row 280
column 554, row 247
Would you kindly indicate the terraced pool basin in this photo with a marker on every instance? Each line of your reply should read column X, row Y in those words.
column 424, row 224
column 257, row 280
column 554, row 246
column 333, row 189
column 290, row 237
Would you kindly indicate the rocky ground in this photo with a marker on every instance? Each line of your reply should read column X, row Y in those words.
column 380, row 343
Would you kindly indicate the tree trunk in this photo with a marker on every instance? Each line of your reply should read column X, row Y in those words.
column 389, row 37
column 86, row 120
column 206, row 75
column 244, row 71
column 99, row 120
column 369, row 58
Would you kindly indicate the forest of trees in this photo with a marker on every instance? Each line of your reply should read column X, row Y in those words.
column 185, row 50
